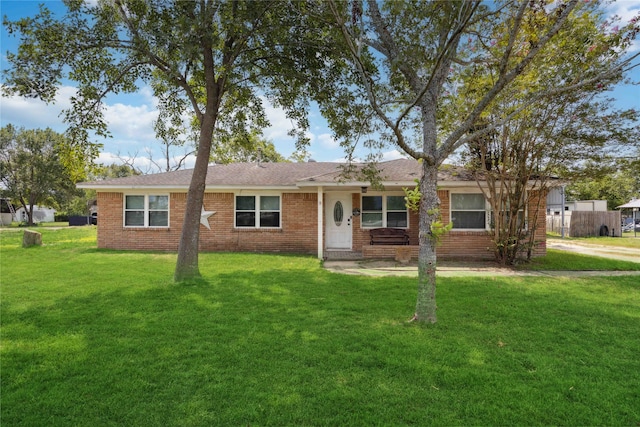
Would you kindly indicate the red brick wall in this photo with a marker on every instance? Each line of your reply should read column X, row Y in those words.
column 361, row 235
column 477, row 244
column 299, row 219
column 113, row 235
column 537, row 201
column 459, row 244
column 298, row 234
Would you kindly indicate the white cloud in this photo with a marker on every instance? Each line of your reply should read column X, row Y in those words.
column 131, row 122
column 280, row 123
column 142, row 161
column 34, row 113
column 134, row 123
column 326, row 140
column 626, row 11
column 106, row 158
column 392, row 155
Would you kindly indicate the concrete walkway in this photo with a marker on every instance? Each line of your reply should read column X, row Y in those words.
column 378, row 268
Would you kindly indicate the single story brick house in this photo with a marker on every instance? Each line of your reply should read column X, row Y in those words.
column 306, row 208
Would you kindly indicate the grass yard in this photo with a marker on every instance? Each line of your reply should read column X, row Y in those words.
column 95, row 337
column 40, row 225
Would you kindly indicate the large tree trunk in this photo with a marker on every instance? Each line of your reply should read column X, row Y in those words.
column 187, row 263
column 429, row 212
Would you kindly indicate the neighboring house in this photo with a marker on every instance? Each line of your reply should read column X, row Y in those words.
column 6, row 212
column 580, row 218
column 555, row 204
column 293, row 208
column 40, row 214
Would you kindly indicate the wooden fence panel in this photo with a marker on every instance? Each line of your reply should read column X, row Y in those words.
column 589, row 224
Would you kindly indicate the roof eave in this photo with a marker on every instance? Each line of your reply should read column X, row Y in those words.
column 111, row 187
column 159, row 187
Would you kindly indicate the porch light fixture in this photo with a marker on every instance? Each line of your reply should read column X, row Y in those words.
column 363, row 189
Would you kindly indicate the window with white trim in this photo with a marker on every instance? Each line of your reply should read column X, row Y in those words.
column 522, row 221
column 257, row 211
column 468, row 211
column 384, row 211
column 145, row 210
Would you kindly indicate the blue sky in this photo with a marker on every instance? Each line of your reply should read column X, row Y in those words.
column 130, row 117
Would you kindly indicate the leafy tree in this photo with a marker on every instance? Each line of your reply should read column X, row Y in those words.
column 210, row 57
column 79, row 202
column 616, row 187
column 548, row 140
column 31, row 168
column 429, row 71
column 246, row 148
column 110, row 171
column 552, row 136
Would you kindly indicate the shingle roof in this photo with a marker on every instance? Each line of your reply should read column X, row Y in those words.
column 277, row 175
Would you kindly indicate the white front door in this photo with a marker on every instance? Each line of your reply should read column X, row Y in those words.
column 337, row 217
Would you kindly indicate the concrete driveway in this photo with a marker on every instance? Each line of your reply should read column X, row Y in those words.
column 613, row 252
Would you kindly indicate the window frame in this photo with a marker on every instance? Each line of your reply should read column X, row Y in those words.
column 146, row 210
column 384, row 211
column 486, row 210
column 523, row 215
column 257, row 211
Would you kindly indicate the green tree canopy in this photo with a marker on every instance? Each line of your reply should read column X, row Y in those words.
column 213, row 58
column 32, row 170
column 246, row 148
column 617, row 184
column 80, row 200
column 428, row 73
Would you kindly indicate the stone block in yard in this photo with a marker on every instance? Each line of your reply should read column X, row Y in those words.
column 31, row 238
column 403, row 254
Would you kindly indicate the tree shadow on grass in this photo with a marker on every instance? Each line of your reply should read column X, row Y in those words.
column 253, row 345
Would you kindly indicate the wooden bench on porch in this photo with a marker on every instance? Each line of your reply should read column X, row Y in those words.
column 388, row 236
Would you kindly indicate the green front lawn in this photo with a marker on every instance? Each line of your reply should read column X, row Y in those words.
column 15, row 224
column 95, row 337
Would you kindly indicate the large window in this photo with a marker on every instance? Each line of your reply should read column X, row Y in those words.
column 258, row 211
column 384, row 211
column 521, row 217
column 146, row 211
column 468, row 211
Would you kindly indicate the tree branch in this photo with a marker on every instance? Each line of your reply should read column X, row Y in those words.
column 505, row 78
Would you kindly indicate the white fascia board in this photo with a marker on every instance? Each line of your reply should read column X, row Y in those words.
column 251, row 188
column 483, row 184
column 183, row 188
column 132, row 187
column 332, row 184
column 459, row 184
column 303, row 184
